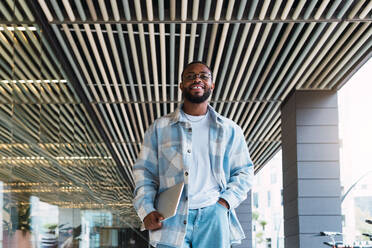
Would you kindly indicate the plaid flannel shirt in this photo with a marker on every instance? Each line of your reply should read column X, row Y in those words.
column 164, row 159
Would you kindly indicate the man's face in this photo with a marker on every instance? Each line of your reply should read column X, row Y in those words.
column 196, row 83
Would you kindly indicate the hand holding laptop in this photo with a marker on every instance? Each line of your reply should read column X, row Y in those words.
column 167, row 204
column 153, row 221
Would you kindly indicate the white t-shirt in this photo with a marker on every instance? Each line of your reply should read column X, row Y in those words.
column 203, row 187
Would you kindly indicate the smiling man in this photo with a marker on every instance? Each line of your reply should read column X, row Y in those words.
column 208, row 153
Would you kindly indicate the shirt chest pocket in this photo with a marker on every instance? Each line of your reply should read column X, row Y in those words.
column 170, row 161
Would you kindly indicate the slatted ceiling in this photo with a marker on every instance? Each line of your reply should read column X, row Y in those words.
column 127, row 57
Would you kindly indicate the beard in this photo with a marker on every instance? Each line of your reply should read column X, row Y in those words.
column 196, row 99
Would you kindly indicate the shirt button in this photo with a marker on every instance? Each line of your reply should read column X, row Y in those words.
column 186, row 173
column 189, row 150
column 187, row 198
column 184, row 222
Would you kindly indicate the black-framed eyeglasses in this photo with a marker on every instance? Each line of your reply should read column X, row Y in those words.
column 202, row 76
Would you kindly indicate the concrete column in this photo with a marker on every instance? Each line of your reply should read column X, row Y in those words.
column 311, row 175
column 244, row 213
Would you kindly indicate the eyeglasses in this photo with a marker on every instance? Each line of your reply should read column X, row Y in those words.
column 202, row 76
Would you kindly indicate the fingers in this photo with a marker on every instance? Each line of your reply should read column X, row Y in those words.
column 153, row 221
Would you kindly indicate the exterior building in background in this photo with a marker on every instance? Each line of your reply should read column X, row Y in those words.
column 355, row 166
column 267, row 204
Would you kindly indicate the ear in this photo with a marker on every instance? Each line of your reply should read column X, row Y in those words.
column 181, row 86
column 212, row 86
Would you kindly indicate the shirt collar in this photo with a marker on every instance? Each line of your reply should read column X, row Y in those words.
column 175, row 116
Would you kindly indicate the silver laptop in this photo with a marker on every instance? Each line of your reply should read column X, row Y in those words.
column 168, row 200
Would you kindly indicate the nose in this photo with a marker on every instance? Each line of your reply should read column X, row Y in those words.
column 197, row 79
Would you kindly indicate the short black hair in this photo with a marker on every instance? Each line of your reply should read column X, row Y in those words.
column 197, row 62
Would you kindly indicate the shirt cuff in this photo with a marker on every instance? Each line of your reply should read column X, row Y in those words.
column 230, row 198
column 144, row 211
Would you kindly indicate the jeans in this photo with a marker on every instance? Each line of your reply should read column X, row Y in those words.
column 207, row 228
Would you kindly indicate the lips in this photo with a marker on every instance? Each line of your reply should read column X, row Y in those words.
column 196, row 87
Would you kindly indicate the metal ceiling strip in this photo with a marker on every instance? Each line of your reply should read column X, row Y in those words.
column 329, row 47
column 133, row 92
column 363, row 59
column 232, row 69
column 68, row 9
column 25, row 56
column 126, row 95
column 147, row 77
column 181, row 54
column 57, row 10
column 80, row 10
column 253, row 62
column 339, row 44
column 212, row 38
column 127, row 63
column 243, row 65
column 261, row 131
column 105, row 78
column 227, row 57
column 26, row 10
column 335, row 4
column 44, row 58
column 115, row 10
column 92, row 115
column 13, row 6
column 92, row 10
column 4, row 67
column 239, row 52
column 365, row 11
column 307, row 49
column 5, row 12
column 138, row 78
column 120, row 152
column 153, row 57
column 6, row 96
column 265, row 56
column 223, row 37
column 195, row 11
column 79, row 59
column 163, row 56
column 207, row 9
column 266, row 133
column 113, row 78
column 287, row 49
column 333, row 51
column 172, row 52
column 350, row 58
column 13, row 61
column 339, row 54
column 209, row 21
column 257, row 155
column 272, row 150
column 293, row 58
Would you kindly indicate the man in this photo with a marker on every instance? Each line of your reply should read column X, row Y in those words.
column 207, row 152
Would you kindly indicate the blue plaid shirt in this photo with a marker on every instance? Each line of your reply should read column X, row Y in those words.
column 164, row 159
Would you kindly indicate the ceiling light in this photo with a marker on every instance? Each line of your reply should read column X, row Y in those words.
column 18, row 28
column 22, row 81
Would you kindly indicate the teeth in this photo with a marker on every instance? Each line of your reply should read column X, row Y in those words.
column 196, row 87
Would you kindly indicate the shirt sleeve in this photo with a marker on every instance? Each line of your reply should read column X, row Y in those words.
column 240, row 168
column 146, row 177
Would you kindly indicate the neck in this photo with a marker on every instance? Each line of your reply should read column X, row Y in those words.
column 195, row 108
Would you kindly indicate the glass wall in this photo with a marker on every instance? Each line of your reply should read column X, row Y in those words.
column 57, row 178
